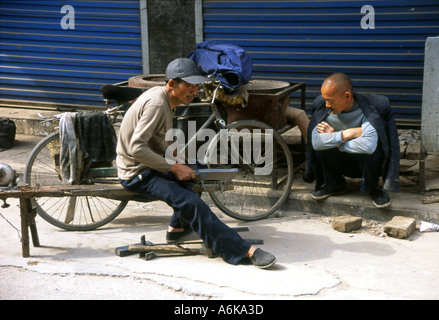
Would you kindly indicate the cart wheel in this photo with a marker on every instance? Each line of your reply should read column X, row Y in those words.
column 81, row 213
column 265, row 167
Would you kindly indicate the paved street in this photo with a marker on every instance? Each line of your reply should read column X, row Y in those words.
column 314, row 260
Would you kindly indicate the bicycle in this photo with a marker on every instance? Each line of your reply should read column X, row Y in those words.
column 254, row 196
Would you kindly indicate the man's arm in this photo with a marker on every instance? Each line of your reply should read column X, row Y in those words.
column 351, row 133
column 325, row 137
column 362, row 139
column 139, row 145
column 141, row 149
column 365, row 143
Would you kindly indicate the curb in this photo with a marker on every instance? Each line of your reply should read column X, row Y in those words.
column 357, row 204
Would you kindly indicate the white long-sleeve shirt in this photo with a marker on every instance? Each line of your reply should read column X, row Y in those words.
column 366, row 144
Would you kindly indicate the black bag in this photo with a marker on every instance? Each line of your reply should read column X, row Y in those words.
column 7, row 133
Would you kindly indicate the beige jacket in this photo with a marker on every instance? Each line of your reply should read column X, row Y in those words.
column 141, row 142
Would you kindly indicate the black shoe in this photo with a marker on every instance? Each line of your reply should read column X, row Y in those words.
column 176, row 237
column 380, row 199
column 324, row 193
column 262, row 259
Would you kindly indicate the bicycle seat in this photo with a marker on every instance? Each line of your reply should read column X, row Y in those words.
column 120, row 94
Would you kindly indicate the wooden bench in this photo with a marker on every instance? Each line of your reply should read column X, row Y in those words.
column 112, row 191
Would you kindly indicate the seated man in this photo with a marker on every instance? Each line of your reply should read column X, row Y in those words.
column 143, row 168
column 353, row 135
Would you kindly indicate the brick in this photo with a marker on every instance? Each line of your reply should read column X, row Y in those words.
column 400, row 227
column 413, row 151
column 346, row 223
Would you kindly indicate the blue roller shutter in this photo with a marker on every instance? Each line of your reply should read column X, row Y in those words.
column 42, row 64
column 305, row 41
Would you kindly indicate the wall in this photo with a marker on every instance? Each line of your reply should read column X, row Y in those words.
column 379, row 44
column 430, row 98
column 55, row 59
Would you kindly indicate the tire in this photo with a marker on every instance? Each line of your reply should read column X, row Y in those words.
column 259, row 189
column 147, row 81
column 81, row 213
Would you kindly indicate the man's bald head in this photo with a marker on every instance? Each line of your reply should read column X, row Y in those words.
column 340, row 81
column 337, row 92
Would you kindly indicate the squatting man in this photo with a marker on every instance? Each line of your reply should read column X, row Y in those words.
column 353, row 135
column 143, row 168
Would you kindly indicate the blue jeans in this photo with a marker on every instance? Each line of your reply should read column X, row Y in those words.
column 190, row 210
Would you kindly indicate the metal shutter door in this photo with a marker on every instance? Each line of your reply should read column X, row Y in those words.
column 305, row 41
column 43, row 65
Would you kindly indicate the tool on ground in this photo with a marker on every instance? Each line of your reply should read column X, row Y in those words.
column 148, row 250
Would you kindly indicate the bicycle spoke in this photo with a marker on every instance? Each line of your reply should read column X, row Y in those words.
column 70, row 213
column 255, row 196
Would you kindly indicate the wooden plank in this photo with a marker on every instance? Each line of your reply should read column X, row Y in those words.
column 162, row 248
column 105, row 190
column 63, row 191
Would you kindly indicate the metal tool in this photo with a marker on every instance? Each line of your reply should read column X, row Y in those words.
column 8, row 178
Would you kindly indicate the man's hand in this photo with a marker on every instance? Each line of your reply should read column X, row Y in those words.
column 324, row 127
column 351, row 133
column 182, row 172
column 348, row 134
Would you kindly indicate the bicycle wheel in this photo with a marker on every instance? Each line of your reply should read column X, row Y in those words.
column 265, row 169
column 80, row 213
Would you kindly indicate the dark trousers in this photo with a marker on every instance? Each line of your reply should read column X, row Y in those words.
column 335, row 165
column 190, row 210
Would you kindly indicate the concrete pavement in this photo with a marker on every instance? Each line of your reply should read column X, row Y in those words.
column 314, row 260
